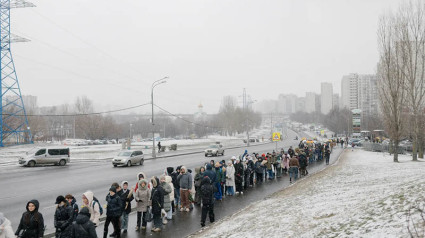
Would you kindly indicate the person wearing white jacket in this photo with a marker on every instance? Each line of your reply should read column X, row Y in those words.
column 230, row 178
column 168, row 179
column 93, row 206
column 6, row 230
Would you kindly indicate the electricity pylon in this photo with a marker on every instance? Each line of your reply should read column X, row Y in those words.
column 14, row 127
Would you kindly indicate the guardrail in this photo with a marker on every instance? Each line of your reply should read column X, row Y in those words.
column 379, row 147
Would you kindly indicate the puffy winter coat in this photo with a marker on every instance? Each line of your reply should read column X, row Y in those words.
column 31, row 222
column 6, row 230
column 207, row 191
column 157, row 197
column 114, row 207
column 168, row 179
column 142, row 196
column 219, row 174
column 83, row 227
column 210, row 173
column 303, row 161
column 64, row 216
column 238, row 172
column 93, row 208
column 167, row 190
column 230, row 176
column 258, row 167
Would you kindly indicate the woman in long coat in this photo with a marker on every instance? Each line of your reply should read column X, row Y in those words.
column 230, row 179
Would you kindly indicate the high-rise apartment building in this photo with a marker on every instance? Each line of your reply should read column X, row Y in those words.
column 326, row 98
column 310, row 102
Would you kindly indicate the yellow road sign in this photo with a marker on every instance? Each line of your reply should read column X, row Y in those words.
column 276, row 136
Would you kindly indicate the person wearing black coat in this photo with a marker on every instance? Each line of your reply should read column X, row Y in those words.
column 303, row 164
column 157, row 199
column 327, row 155
column 113, row 212
column 259, row 170
column 207, row 191
column 64, row 216
column 210, row 173
column 176, row 185
column 71, row 200
column 32, row 222
column 239, row 176
column 82, row 227
column 126, row 199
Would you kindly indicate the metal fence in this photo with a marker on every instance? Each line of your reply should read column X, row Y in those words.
column 379, row 147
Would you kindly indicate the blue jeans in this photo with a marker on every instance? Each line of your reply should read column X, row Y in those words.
column 177, row 197
column 230, row 190
column 293, row 173
column 124, row 221
column 270, row 171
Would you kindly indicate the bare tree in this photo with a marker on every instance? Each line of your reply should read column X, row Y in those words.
column 391, row 79
column 410, row 34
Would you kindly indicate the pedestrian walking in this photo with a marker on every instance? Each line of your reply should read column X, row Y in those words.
column 167, row 201
column 73, row 202
column 32, row 222
column 82, row 226
column 157, row 199
column 6, row 230
column 327, row 156
column 142, row 197
column 159, row 146
column 207, row 189
column 126, row 198
column 185, row 182
column 93, row 205
column 113, row 212
column 230, row 178
column 63, row 218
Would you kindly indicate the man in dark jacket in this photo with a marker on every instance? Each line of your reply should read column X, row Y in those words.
column 113, row 212
column 32, row 222
column 157, row 199
column 327, row 155
column 210, row 173
column 259, row 170
column 239, row 176
column 207, row 190
column 176, row 185
column 303, row 164
column 63, row 218
column 82, row 226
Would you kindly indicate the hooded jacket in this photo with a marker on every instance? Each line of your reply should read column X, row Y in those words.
column 207, row 191
column 157, row 197
column 64, row 216
column 93, row 208
column 31, row 222
column 126, row 198
column 210, row 173
column 185, row 180
column 6, row 230
column 83, row 227
column 167, row 191
column 142, row 196
column 169, row 180
column 230, row 176
column 137, row 184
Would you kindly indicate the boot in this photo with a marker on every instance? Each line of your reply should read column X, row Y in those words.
column 105, row 234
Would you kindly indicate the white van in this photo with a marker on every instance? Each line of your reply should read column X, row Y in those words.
column 56, row 156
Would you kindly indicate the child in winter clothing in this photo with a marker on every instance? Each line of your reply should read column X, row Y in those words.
column 63, row 218
column 142, row 197
column 90, row 202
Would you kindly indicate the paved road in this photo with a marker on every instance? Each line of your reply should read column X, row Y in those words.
column 21, row 184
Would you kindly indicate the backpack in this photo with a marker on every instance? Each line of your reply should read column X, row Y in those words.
column 100, row 206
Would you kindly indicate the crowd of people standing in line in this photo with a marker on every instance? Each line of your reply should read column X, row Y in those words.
column 158, row 198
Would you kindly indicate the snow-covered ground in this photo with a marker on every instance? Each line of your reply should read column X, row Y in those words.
column 364, row 195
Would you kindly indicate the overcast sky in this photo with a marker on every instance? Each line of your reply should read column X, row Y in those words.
column 112, row 51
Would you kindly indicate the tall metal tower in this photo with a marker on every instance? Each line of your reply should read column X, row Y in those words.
column 14, row 127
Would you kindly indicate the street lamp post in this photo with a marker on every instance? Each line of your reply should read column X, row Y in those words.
column 154, row 84
column 130, row 130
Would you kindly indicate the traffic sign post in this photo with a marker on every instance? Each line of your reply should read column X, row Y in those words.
column 276, row 138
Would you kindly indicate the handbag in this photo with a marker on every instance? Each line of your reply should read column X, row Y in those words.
column 149, row 215
column 22, row 232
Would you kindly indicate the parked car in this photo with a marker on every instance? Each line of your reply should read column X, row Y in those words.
column 128, row 158
column 56, row 156
column 214, row 150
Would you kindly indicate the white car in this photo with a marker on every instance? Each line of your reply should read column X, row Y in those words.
column 128, row 158
column 214, row 150
column 56, row 156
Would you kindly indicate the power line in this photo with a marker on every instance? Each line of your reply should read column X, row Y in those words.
column 82, row 114
column 188, row 121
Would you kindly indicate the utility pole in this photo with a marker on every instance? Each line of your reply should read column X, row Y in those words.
column 245, row 108
column 154, row 84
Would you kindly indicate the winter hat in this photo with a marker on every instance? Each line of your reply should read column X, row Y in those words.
column 162, row 178
column 153, row 181
column 170, row 170
column 238, row 160
column 2, row 218
column 233, row 157
column 124, row 182
column 113, row 189
column 60, row 199
column 85, row 211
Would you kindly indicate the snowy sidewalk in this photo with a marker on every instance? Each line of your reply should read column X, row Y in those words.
column 364, row 195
